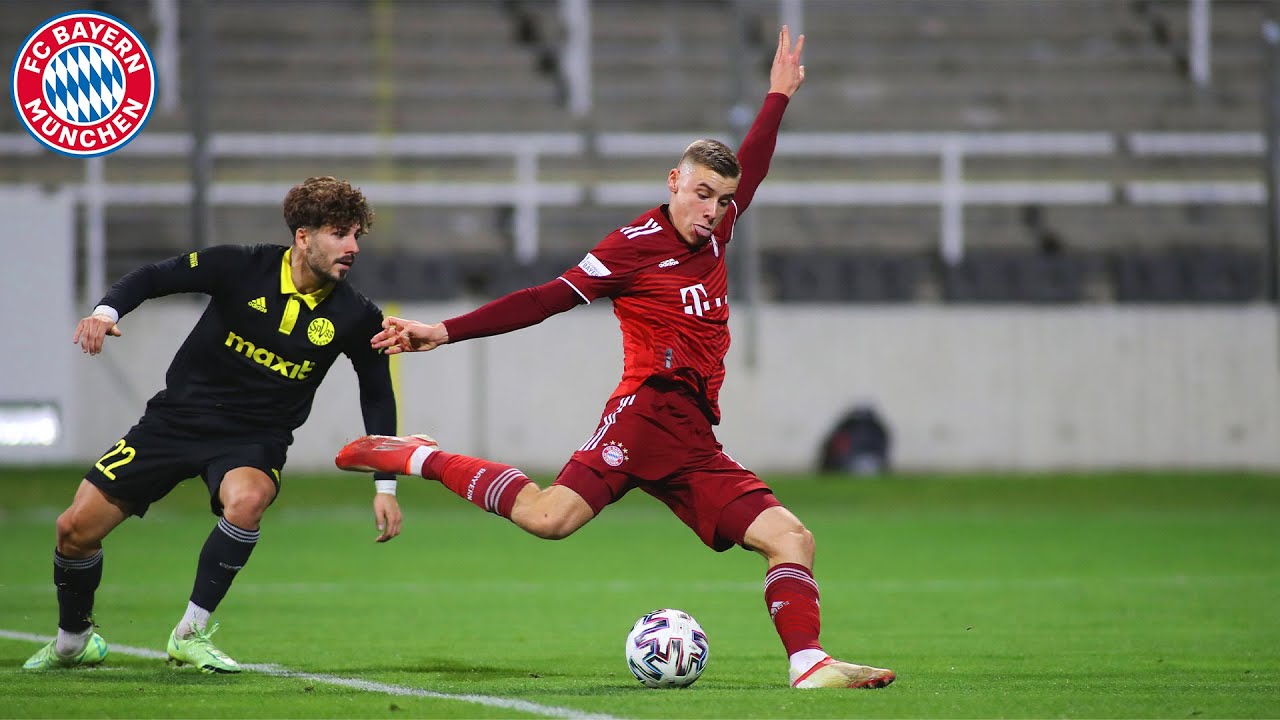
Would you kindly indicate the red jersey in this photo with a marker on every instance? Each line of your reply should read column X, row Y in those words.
column 672, row 300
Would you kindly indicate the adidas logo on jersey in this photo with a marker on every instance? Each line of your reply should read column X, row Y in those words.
column 669, row 262
column 259, row 304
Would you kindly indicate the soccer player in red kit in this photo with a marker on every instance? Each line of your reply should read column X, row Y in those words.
column 665, row 273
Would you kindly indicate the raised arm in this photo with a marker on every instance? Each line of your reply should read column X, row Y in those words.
column 785, row 77
column 787, row 74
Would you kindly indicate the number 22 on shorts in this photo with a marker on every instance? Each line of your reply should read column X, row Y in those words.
column 126, row 454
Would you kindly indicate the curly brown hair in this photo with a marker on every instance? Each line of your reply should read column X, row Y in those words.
column 321, row 201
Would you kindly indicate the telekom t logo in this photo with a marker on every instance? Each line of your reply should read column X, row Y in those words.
column 696, row 296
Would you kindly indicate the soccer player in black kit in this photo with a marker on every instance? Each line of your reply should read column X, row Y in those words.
column 239, row 386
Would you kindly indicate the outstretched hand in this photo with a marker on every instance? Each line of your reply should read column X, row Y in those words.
column 92, row 331
column 787, row 74
column 399, row 335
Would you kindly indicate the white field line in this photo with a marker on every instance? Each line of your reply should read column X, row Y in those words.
column 356, row 683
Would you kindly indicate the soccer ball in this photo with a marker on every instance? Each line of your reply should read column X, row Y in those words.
column 667, row 649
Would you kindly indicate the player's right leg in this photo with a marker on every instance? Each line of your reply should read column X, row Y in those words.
column 243, row 480
column 77, row 572
column 791, row 594
column 551, row 513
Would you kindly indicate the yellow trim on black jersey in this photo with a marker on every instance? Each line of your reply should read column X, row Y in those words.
column 291, row 307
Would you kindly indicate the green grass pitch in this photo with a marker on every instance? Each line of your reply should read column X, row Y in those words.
column 1098, row 596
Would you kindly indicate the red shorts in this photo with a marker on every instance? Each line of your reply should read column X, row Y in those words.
column 660, row 441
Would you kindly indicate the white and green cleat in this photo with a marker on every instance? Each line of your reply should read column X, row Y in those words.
column 199, row 651
column 47, row 657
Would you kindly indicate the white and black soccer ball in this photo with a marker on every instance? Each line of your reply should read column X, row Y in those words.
column 667, row 649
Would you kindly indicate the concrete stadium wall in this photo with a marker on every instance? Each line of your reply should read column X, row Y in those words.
column 37, row 362
column 962, row 388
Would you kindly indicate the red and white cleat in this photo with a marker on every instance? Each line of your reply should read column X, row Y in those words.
column 381, row 453
column 832, row 673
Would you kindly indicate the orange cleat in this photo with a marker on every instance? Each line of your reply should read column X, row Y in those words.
column 381, row 453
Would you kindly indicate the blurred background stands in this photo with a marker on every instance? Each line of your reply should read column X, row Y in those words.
column 385, row 68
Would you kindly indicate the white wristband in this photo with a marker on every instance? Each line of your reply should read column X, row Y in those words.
column 108, row 311
column 386, row 487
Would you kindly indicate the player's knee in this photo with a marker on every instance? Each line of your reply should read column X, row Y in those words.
column 792, row 543
column 74, row 539
column 802, row 540
column 244, row 506
column 551, row 514
column 548, row 526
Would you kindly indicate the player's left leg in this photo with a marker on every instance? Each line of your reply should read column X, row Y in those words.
column 77, row 572
column 243, row 495
column 596, row 475
column 551, row 513
column 791, row 594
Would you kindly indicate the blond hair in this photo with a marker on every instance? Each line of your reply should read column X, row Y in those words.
column 713, row 155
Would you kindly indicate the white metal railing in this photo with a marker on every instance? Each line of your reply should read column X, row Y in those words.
column 951, row 193
column 1199, row 42
column 526, row 192
column 1184, row 144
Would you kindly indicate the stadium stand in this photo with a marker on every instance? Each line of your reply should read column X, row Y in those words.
column 880, row 66
column 1004, row 276
column 826, row 276
column 1204, row 274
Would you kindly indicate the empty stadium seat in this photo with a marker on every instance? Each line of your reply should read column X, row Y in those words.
column 406, row 277
column 823, row 276
column 1201, row 274
column 1224, row 275
column 1012, row 276
column 506, row 275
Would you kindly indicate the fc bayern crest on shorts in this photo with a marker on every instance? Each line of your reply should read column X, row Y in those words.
column 613, row 453
column 84, row 84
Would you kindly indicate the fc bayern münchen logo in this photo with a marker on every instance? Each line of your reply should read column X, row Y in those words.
column 84, row 84
column 613, row 453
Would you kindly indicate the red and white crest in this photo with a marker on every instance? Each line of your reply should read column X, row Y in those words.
column 613, row 453
column 84, row 84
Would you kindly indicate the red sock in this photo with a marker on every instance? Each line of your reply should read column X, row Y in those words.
column 488, row 485
column 791, row 594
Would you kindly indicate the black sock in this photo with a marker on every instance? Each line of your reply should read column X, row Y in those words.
column 225, row 552
column 76, row 579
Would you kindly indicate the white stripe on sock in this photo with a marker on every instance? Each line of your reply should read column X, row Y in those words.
column 419, row 458
column 788, row 574
column 238, row 534
column 67, row 563
column 494, row 495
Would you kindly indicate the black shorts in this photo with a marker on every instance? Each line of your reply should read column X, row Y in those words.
column 162, row 451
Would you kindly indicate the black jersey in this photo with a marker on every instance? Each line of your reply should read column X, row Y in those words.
column 253, row 362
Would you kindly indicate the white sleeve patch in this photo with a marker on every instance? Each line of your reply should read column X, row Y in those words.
column 593, row 267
